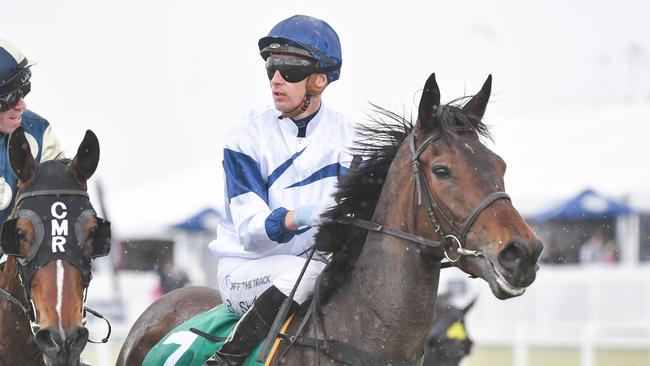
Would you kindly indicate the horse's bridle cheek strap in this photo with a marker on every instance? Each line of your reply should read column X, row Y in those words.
column 422, row 187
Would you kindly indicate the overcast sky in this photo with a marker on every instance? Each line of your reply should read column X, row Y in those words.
column 162, row 82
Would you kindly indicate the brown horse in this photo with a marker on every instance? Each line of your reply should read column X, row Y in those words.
column 51, row 240
column 422, row 194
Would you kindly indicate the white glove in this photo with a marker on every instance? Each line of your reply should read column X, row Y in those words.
column 308, row 215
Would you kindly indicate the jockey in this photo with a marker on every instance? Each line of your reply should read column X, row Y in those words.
column 281, row 168
column 15, row 84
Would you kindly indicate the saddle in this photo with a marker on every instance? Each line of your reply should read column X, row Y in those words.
column 195, row 341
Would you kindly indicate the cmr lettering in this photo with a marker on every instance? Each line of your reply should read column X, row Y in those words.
column 59, row 226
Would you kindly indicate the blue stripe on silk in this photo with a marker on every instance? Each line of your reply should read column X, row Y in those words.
column 282, row 168
column 331, row 170
column 243, row 175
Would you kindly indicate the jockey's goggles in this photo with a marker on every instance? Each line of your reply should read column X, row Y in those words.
column 292, row 69
column 10, row 100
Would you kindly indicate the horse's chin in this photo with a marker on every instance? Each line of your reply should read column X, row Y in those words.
column 500, row 287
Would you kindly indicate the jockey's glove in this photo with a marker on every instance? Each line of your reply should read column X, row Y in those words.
column 309, row 215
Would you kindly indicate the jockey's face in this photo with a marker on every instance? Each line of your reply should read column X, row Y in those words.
column 11, row 118
column 287, row 96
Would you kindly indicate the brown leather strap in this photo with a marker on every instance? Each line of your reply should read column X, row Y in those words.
column 371, row 226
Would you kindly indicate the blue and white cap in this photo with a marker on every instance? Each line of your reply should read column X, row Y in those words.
column 14, row 67
column 310, row 34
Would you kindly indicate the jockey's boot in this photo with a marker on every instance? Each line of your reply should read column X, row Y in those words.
column 251, row 329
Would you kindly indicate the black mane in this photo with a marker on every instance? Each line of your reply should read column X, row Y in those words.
column 358, row 192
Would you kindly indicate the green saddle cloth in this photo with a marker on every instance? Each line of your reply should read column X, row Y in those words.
column 183, row 348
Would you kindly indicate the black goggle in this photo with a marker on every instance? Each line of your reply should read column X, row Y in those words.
column 10, row 100
column 292, row 69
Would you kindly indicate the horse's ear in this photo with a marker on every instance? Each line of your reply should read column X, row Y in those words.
column 467, row 308
column 85, row 162
column 429, row 103
column 475, row 108
column 20, row 155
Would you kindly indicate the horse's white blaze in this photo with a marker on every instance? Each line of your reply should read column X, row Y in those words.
column 59, row 293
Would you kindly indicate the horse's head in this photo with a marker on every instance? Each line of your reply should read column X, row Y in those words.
column 448, row 342
column 462, row 199
column 53, row 236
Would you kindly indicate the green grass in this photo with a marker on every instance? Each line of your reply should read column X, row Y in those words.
column 502, row 356
column 490, row 356
column 614, row 357
column 554, row 356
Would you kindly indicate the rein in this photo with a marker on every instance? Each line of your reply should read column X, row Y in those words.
column 374, row 227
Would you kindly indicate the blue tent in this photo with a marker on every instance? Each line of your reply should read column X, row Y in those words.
column 585, row 206
column 204, row 220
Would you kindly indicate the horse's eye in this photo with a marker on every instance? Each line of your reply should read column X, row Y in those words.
column 441, row 172
column 22, row 236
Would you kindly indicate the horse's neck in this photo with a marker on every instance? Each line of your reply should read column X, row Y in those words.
column 387, row 303
column 17, row 346
column 389, row 298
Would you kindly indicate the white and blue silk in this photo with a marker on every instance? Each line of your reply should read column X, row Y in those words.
column 268, row 170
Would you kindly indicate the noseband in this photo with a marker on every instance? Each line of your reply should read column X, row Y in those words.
column 433, row 210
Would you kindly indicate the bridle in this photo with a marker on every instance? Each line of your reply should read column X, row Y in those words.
column 446, row 242
column 25, row 272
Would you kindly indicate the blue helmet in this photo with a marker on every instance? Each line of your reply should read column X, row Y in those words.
column 309, row 34
column 14, row 68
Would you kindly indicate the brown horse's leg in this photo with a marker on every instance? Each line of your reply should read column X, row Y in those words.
column 161, row 317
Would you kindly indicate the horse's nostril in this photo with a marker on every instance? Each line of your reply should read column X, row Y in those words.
column 61, row 349
column 510, row 257
column 48, row 342
column 78, row 339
